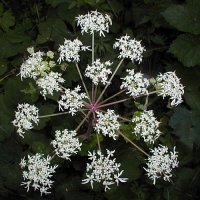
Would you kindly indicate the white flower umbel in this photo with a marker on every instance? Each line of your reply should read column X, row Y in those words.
column 107, row 123
column 66, row 144
column 72, row 100
column 129, row 48
column 25, row 116
column 169, row 84
column 135, row 83
column 69, row 51
column 94, row 22
column 37, row 173
column 161, row 163
column 35, row 65
column 50, row 83
column 98, row 72
column 103, row 169
column 146, row 125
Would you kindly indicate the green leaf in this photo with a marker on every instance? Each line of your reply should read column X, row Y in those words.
column 184, row 17
column 187, row 49
column 186, row 126
column 7, row 20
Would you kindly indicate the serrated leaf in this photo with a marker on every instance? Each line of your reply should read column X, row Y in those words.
column 7, row 20
column 184, row 17
column 187, row 49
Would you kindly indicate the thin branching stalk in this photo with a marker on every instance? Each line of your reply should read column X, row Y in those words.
column 109, row 82
column 53, row 115
column 113, row 103
column 82, row 122
column 135, row 145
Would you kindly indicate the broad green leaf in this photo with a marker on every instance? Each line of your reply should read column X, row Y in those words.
column 186, row 48
column 184, row 17
column 7, row 20
column 186, row 126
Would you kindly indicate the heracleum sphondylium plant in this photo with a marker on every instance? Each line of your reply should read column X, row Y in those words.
column 101, row 168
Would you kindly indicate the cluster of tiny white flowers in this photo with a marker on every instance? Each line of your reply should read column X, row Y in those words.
column 146, row 125
column 94, row 21
column 72, row 100
column 107, row 123
column 98, row 72
column 37, row 172
column 25, row 115
column 32, row 67
column 129, row 48
column 169, row 85
column 161, row 163
column 135, row 83
column 50, row 83
column 69, row 51
column 103, row 169
column 66, row 144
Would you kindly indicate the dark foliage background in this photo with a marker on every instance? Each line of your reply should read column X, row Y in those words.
column 170, row 31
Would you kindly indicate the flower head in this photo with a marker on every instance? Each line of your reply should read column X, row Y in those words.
column 69, row 51
column 107, row 123
column 98, row 72
column 25, row 116
column 37, row 172
column 169, row 84
column 161, row 163
column 50, row 83
column 103, row 169
column 135, row 83
column 72, row 100
column 66, row 144
column 146, row 126
column 129, row 48
column 35, row 65
column 94, row 22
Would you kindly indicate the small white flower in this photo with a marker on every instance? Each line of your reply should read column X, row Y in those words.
column 37, row 172
column 98, row 72
column 103, row 169
column 129, row 48
column 25, row 116
column 107, row 123
column 146, row 126
column 66, row 144
column 72, row 100
column 50, row 54
column 50, row 83
column 169, row 85
column 94, row 22
column 161, row 163
column 69, row 51
column 135, row 83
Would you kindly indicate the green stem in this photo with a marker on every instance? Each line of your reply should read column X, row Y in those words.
column 135, row 145
column 98, row 142
column 118, row 66
column 52, row 115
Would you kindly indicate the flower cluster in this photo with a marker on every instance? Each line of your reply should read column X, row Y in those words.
column 25, row 116
column 72, row 100
column 161, row 163
column 66, row 144
column 50, row 83
column 69, row 51
column 98, row 72
column 37, row 172
column 135, row 83
column 129, row 48
column 146, row 125
column 35, row 65
column 103, row 169
column 107, row 123
column 169, row 84
column 94, row 22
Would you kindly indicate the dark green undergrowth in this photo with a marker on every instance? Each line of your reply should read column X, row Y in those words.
column 170, row 31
